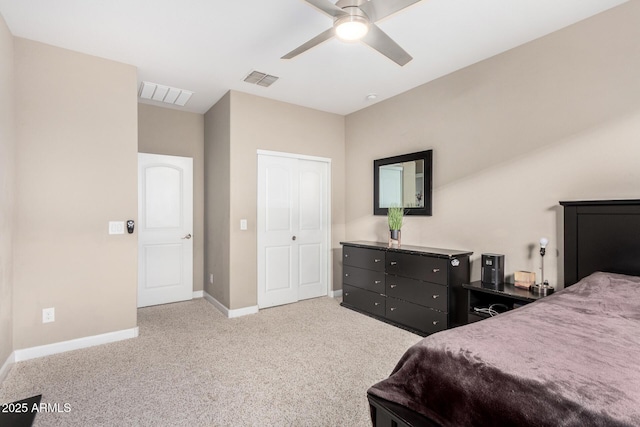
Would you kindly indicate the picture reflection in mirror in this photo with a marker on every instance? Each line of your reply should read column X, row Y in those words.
column 402, row 184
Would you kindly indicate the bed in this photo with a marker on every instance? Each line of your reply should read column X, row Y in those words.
column 570, row 359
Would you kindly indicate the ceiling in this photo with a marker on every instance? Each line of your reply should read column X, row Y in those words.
column 209, row 46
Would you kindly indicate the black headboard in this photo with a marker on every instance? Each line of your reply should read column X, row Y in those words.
column 601, row 235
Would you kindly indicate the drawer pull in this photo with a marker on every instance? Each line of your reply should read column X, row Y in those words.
column 436, row 296
column 346, row 274
column 435, row 322
column 393, row 308
column 376, row 303
column 377, row 282
column 346, row 255
column 377, row 260
column 346, row 294
column 393, row 263
column 435, row 270
column 392, row 286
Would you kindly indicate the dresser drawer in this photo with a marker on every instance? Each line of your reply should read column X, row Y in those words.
column 364, row 300
column 429, row 269
column 365, row 279
column 415, row 316
column 371, row 259
column 422, row 293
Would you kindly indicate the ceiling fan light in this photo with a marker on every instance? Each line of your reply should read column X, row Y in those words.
column 352, row 28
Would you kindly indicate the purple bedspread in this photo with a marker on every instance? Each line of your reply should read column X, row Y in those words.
column 570, row 359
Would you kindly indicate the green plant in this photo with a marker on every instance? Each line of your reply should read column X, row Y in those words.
column 395, row 215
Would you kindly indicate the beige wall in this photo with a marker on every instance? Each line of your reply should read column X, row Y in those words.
column 217, row 134
column 179, row 133
column 556, row 119
column 260, row 123
column 7, row 172
column 76, row 170
column 235, row 128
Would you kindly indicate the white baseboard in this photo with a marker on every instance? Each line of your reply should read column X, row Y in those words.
column 61, row 347
column 336, row 294
column 6, row 366
column 230, row 313
column 198, row 294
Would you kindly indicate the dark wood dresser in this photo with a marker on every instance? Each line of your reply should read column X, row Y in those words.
column 414, row 287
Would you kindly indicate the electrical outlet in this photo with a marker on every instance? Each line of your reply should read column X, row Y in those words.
column 48, row 315
column 211, row 278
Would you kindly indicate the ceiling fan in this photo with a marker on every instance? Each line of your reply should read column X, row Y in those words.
column 355, row 20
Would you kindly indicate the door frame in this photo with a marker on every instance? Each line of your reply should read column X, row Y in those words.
column 329, row 234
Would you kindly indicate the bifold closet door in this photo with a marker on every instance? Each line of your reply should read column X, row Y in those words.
column 292, row 229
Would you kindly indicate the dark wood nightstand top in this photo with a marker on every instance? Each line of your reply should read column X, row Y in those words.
column 507, row 289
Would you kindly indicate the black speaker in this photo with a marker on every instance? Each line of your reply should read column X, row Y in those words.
column 492, row 269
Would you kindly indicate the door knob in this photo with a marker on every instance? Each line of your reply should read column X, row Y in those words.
column 293, row 238
column 187, row 237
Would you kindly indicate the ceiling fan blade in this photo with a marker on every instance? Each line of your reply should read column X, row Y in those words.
column 324, row 36
column 380, row 41
column 327, row 7
column 378, row 9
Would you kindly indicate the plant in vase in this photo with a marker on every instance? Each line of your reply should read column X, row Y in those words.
column 395, row 215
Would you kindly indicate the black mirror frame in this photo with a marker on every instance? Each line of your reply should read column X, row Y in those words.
column 427, row 156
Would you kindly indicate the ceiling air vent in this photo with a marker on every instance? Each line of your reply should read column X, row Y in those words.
column 261, row 79
column 166, row 94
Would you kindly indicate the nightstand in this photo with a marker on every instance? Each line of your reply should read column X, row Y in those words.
column 482, row 296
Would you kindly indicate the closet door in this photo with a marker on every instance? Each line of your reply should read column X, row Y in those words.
column 293, row 238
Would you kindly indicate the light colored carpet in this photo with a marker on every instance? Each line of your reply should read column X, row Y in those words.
column 303, row 364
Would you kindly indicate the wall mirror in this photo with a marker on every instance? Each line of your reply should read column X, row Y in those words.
column 403, row 181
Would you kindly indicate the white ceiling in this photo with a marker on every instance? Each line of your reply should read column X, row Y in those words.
column 209, row 46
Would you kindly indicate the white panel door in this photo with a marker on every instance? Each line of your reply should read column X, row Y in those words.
column 277, row 228
column 292, row 230
column 165, row 224
column 313, row 245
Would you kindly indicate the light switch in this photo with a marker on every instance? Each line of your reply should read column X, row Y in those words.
column 116, row 227
column 243, row 224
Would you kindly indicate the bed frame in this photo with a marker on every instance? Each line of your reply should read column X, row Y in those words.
column 599, row 235
column 602, row 235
